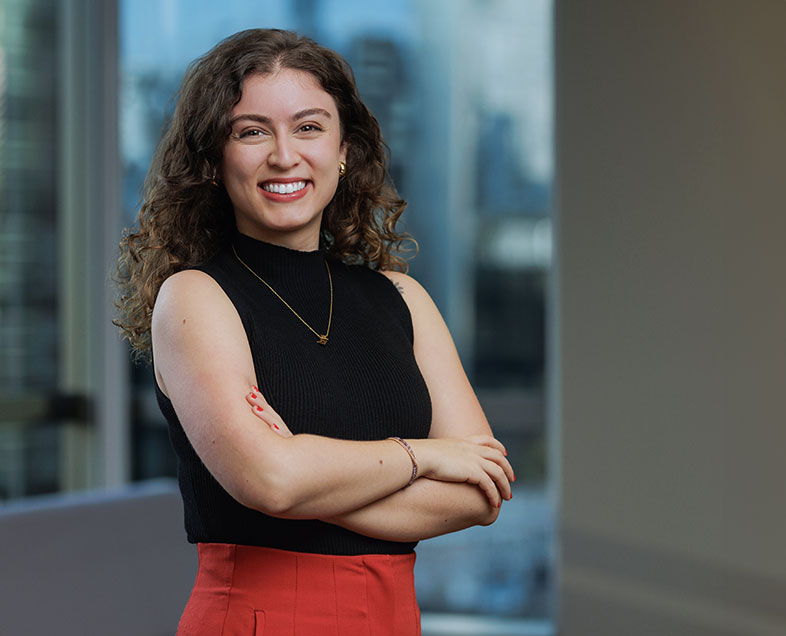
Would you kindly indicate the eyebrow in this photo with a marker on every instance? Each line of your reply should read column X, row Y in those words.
column 262, row 119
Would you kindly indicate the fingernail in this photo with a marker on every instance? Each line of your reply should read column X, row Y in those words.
column 275, row 426
column 506, row 453
column 258, row 408
column 255, row 389
column 499, row 504
column 253, row 396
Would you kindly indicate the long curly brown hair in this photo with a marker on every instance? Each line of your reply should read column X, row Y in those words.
column 185, row 218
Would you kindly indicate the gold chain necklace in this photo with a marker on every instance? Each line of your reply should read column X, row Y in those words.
column 322, row 338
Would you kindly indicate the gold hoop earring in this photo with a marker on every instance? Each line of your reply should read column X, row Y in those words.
column 213, row 178
column 342, row 168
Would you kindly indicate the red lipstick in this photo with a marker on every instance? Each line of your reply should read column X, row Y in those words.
column 285, row 189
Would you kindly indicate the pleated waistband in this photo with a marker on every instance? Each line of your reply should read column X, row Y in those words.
column 254, row 591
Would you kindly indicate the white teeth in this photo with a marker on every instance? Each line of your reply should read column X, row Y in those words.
column 284, row 188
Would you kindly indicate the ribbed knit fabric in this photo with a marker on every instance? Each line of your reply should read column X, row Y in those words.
column 364, row 384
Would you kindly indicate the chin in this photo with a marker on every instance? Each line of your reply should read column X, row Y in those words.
column 285, row 227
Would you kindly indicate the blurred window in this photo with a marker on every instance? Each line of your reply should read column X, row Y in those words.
column 30, row 461
column 63, row 414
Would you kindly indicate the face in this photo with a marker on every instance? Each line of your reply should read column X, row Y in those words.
column 281, row 162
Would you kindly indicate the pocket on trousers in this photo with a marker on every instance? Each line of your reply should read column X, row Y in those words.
column 259, row 617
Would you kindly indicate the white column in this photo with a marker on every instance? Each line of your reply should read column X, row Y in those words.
column 93, row 361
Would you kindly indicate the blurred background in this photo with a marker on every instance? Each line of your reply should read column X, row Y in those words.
column 598, row 192
column 463, row 91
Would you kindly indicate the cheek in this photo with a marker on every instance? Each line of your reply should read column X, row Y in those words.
column 238, row 167
column 330, row 156
column 238, row 177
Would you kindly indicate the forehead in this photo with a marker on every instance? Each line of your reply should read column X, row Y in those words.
column 281, row 94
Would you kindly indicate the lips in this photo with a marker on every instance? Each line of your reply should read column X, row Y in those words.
column 284, row 189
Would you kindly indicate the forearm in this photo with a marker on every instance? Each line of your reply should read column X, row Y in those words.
column 307, row 476
column 426, row 509
column 320, row 478
column 317, row 477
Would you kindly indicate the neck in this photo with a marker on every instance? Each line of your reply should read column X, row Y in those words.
column 279, row 263
column 303, row 240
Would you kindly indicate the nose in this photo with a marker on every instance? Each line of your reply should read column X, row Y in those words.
column 284, row 154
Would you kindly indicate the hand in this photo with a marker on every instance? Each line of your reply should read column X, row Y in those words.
column 265, row 412
column 476, row 459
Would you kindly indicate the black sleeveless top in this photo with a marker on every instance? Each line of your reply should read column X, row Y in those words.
column 364, row 384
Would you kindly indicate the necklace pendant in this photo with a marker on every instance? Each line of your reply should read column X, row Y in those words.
column 323, row 340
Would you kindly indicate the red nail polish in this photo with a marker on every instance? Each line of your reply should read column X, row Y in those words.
column 255, row 389
column 499, row 504
column 275, row 426
column 258, row 408
column 253, row 396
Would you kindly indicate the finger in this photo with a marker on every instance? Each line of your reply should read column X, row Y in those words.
column 256, row 399
column 256, row 394
column 504, row 464
column 489, row 441
column 493, row 442
column 267, row 415
column 487, row 485
column 500, row 479
column 494, row 456
column 489, row 488
column 252, row 398
column 262, row 409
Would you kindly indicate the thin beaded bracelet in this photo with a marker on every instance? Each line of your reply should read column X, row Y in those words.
column 409, row 450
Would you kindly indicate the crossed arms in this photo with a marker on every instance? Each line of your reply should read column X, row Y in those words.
column 463, row 472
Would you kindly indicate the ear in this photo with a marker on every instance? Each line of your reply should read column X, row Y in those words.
column 342, row 153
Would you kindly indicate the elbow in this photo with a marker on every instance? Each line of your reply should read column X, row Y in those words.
column 489, row 516
column 270, row 493
column 271, row 502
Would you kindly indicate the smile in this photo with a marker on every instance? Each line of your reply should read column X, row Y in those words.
column 283, row 188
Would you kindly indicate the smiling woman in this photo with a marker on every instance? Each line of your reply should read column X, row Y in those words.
column 285, row 148
column 308, row 474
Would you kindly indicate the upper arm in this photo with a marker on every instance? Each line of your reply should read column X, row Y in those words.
column 456, row 410
column 203, row 364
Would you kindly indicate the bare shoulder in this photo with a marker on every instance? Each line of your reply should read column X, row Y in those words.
column 186, row 284
column 190, row 295
column 189, row 302
column 411, row 290
column 194, row 323
column 425, row 315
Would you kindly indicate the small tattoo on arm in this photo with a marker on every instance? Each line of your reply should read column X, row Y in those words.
column 399, row 287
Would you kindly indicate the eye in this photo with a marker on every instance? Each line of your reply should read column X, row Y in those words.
column 310, row 128
column 250, row 133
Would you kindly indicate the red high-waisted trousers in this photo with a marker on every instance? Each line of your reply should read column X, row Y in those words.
column 252, row 591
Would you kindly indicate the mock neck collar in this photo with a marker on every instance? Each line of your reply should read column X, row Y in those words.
column 278, row 263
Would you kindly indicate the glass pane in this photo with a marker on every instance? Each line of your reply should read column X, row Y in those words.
column 463, row 92
column 29, row 449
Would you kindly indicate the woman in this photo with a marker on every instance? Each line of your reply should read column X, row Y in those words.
column 321, row 417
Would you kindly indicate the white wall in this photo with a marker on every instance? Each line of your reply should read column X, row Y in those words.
column 670, row 305
column 102, row 563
